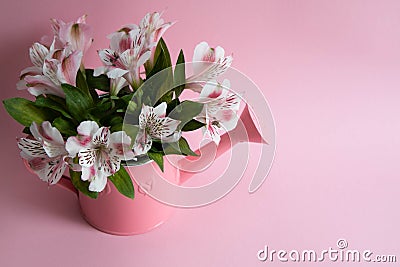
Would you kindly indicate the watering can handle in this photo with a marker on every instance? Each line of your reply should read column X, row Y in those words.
column 65, row 181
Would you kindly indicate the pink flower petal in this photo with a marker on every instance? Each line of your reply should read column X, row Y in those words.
column 69, row 68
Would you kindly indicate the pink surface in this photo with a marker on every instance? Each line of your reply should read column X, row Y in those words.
column 330, row 70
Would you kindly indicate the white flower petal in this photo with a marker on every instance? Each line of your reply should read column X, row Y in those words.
column 219, row 53
column 231, row 102
column 160, row 110
column 88, row 173
column 213, row 133
column 145, row 113
column 216, row 69
column 126, row 59
column 100, row 70
column 34, row 128
column 40, row 84
column 143, row 58
column 51, row 133
column 116, row 85
column 32, row 148
column 120, row 144
column 116, row 73
column 87, row 157
column 108, row 56
column 211, row 90
column 31, row 71
column 38, row 53
column 98, row 183
column 168, row 127
column 88, row 128
column 48, row 170
column 102, row 137
column 227, row 119
column 54, row 150
column 200, row 50
column 50, row 69
column 75, row 144
column 107, row 164
column 142, row 143
column 54, row 170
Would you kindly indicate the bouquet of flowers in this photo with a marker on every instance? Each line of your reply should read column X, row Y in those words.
column 92, row 121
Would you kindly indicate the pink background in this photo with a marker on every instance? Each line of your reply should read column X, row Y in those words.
column 330, row 70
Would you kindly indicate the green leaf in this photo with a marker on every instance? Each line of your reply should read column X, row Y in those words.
column 82, row 186
column 185, row 112
column 180, row 148
column 163, row 67
column 101, row 82
column 171, row 105
column 25, row 111
column 185, row 148
column 65, row 127
column 101, row 108
column 50, row 102
column 127, row 98
column 123, row 183
column 179, row 75
column 115, row 123
column 192, row 125
column 158, row 158
column 162, row 58
column 78, row 102
column 81, row 82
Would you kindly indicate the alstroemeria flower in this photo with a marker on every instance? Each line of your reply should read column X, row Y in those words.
column 153, row 123
column 208, row 64
column 130, row 48
column 77, row 35
column 220, row 109
column 46, row 153
column 125, row 64
column 99, row 151
column 51, row 67
column 154, row 27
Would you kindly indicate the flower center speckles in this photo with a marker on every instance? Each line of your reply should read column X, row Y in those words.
column 216, row 123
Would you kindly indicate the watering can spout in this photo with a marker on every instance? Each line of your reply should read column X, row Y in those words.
column 245, row 131
column 253, row 134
